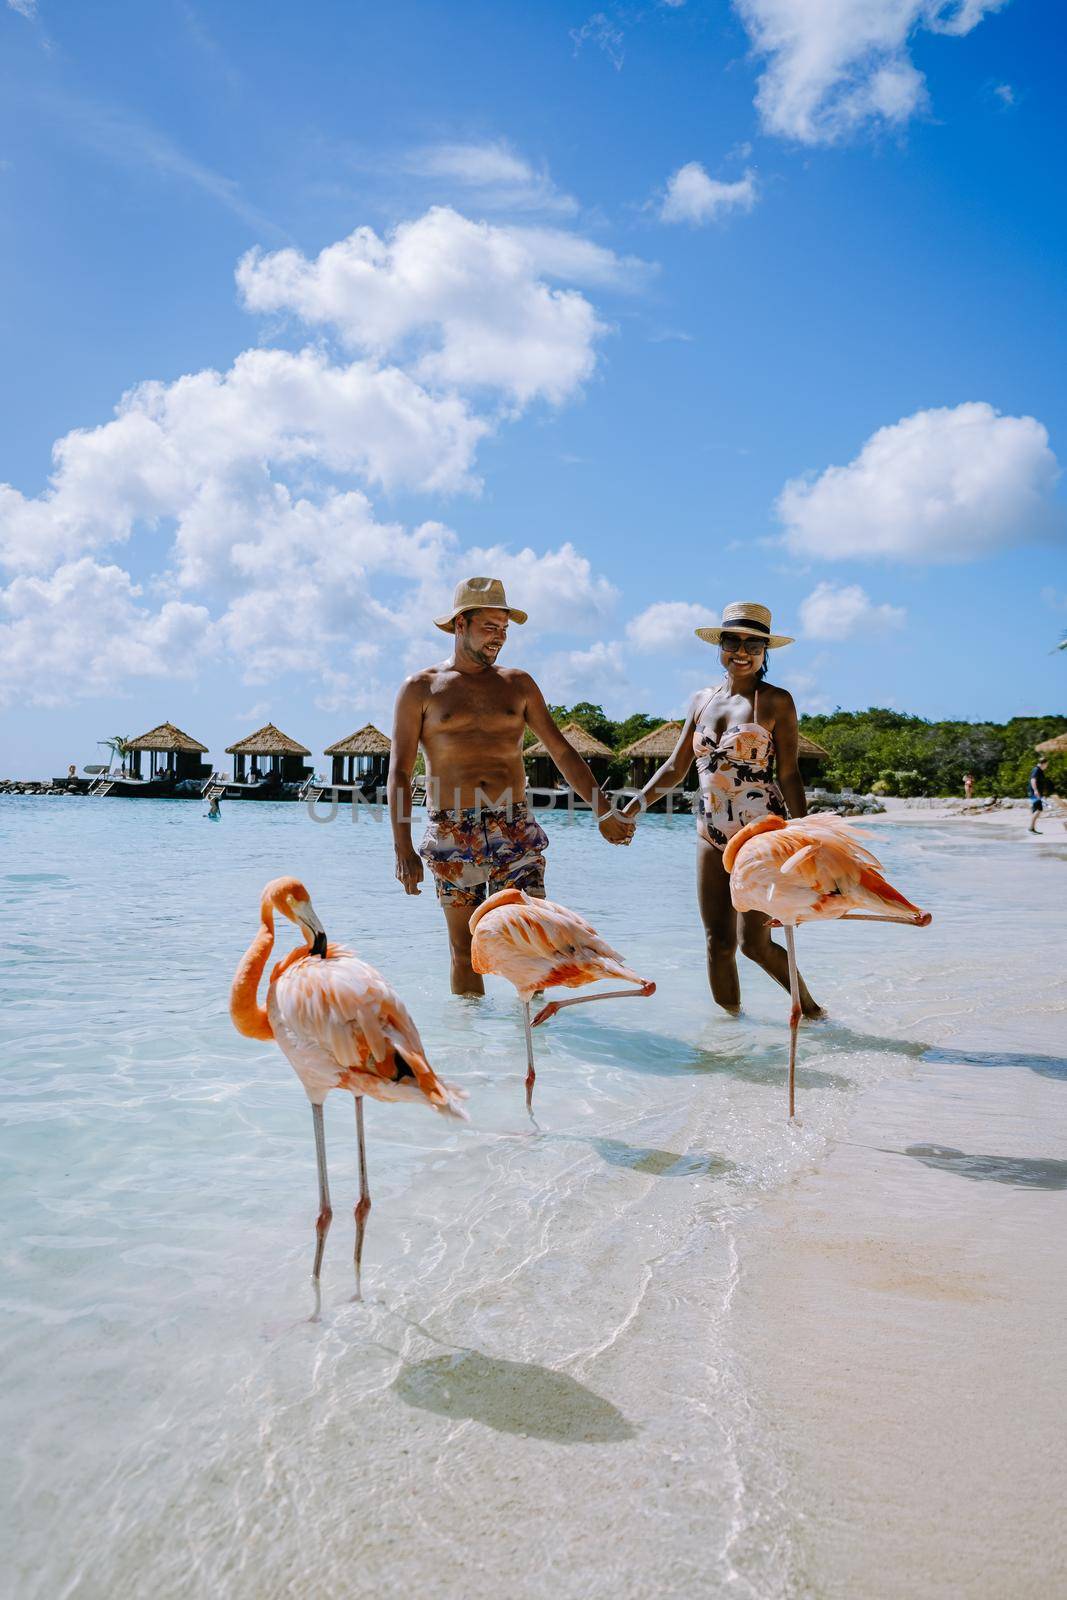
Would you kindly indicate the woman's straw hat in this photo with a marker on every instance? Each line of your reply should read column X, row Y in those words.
column 478, row 594
column 745, row 616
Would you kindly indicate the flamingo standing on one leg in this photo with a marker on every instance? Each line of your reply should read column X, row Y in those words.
column 808, row 870
column 342, row 1026
column 537, row 944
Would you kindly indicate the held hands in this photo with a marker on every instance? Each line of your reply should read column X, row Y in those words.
column 409, row 870
column 615, row 829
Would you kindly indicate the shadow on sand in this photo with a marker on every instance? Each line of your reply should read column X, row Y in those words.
column 652, row 1162
column 512, row 1397
column 1046, row 1066
column 658, row 1055
column 1024, row 1172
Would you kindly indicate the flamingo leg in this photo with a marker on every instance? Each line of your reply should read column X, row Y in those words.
column 363, row 1203
column 584, row 999
column 325, row 1216
column 794, row 1015
column 531, row 1075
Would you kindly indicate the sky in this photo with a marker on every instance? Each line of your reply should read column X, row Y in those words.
column 308, row 312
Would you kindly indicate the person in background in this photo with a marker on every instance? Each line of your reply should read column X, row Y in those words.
column 214, row 809
column 968, row 785
column 1037, row 789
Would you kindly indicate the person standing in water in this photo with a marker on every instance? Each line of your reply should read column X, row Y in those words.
column 470, row 716
column 741, row 732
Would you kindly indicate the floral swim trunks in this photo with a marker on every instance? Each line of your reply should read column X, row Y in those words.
column 474, row 852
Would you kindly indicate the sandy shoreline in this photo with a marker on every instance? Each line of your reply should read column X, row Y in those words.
column 899, row 1318
column 1012, row 813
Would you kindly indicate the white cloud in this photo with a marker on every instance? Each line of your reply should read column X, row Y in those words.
column 599, row 29
column 236, row 489
column 81, row 631
column 503, row 180
column 598, row 671
column 173, row 446
column 25, row 8
column 462, row 303
column 835, row 611
column 836, row 65
column 943, row 485
column 1005, row 94
column 558, row 588
column 667, row 625
column 694, row 197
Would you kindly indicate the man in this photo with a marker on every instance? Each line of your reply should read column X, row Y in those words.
column 470, row 716
column 1038, row 787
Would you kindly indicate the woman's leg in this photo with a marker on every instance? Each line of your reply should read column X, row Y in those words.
column 720, row 926
column 758, row 946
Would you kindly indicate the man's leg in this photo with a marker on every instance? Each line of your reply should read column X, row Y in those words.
column 464, row 978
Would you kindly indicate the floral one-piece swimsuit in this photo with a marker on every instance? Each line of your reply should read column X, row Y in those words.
column 736, row 777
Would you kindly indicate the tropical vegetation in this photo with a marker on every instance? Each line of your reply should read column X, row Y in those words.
column 884, row 751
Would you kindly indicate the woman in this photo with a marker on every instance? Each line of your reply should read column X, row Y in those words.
column 739, row 732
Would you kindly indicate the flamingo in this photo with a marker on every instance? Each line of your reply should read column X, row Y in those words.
column 537, row 944
column 810, row 869
column 342, row 1026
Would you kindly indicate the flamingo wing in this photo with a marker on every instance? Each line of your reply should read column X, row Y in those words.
column 814, row 868
column 342, row 1025
column 538, row 944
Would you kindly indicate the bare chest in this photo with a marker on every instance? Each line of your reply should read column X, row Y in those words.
column 461, row 705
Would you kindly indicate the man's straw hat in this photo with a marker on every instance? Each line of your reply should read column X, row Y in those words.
column 478, row 594
column 745, row 616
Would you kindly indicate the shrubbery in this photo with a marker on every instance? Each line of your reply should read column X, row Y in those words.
column 887, row 752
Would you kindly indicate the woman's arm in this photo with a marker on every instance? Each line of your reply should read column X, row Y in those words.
column 672, row 772
column 786, row 735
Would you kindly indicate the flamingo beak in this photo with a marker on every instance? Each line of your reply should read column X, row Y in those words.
column 308, row 920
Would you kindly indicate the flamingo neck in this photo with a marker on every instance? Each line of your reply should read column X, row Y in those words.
column 249, row 1017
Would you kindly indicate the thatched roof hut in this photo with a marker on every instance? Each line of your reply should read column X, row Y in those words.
column 1056, row 746
column 649, row 752
column 656, row 745
column 542, row 769
column 271, row 753
column 363, row 756
column 170, row 751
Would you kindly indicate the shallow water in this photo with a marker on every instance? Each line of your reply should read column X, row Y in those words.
column 539, row 1391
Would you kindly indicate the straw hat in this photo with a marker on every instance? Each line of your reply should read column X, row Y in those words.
column 745, row 616
column 478, row 594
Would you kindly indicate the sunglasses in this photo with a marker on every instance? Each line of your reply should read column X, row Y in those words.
column 741, row 641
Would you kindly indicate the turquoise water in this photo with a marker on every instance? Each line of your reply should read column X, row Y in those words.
column 539, row 1390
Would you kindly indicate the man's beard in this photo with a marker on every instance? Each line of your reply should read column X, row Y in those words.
column 484, row 658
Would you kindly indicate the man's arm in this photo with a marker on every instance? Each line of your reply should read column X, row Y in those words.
column 672, row 772
column 786, row 735
column 407, row 725
column 573, row 768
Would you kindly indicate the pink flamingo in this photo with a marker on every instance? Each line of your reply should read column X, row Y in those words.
column 537, row 944
column 810, row 869
column 342, row 1026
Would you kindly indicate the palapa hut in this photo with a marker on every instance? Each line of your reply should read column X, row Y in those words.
column 171, row 754
column 1056, row 746
column 810, row 757
column 362, row 758
column 269, row 754
column 649, row 753
column 541, row 769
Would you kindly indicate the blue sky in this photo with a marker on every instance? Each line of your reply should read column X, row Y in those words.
column 646, row 308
